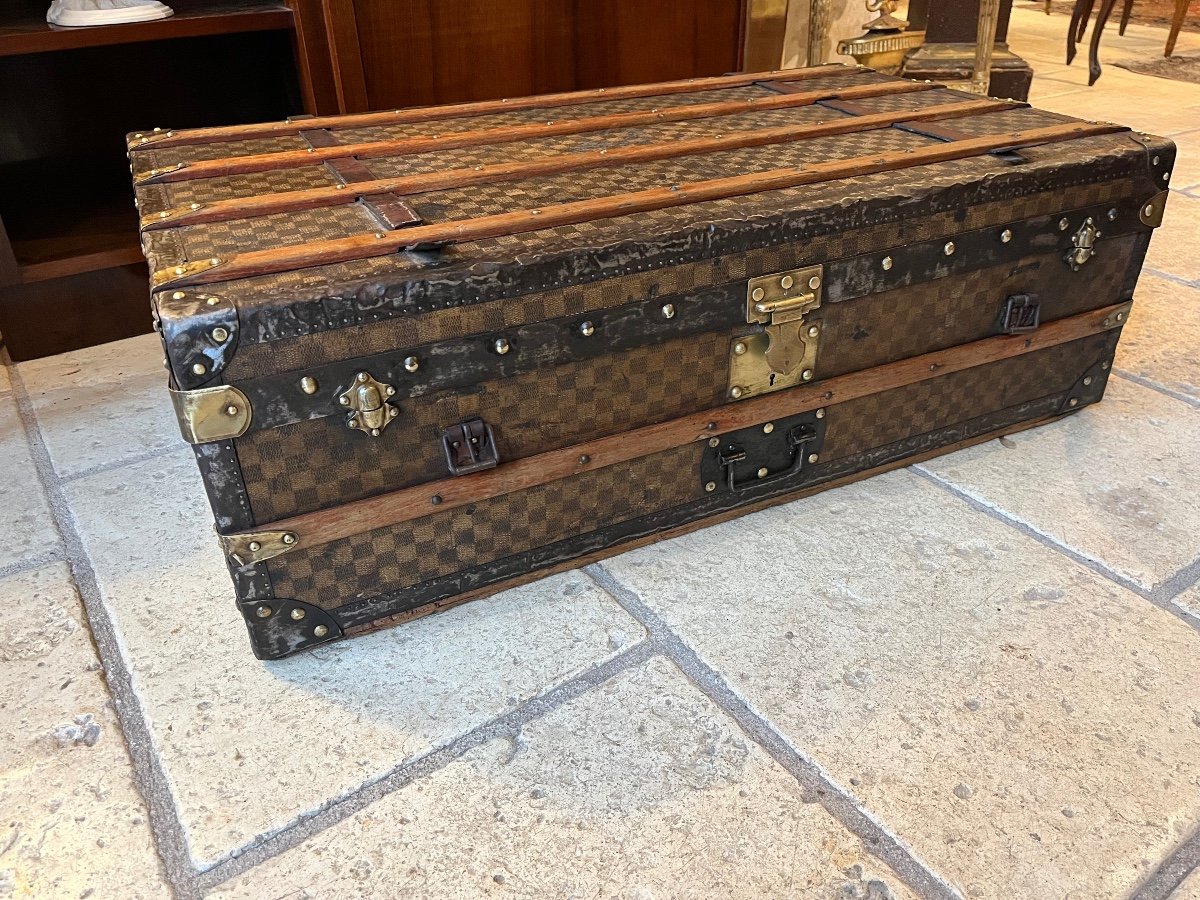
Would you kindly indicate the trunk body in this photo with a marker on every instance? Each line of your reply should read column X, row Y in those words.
column 426, row 354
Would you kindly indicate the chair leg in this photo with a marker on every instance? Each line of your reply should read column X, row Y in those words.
column 1048, row 7
column 1076, row 14
column 1087, row 14
column 1125, row 16
column 1181, row 8
column 1106, row 7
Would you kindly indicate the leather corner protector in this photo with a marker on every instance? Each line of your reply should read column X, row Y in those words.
column 279, row 628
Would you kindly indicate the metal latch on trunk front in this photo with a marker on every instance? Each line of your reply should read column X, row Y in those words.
column 784, row 353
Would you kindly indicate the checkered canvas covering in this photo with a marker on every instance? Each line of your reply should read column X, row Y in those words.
column 391, row 559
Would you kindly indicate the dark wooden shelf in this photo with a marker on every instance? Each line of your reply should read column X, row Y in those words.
column 27, row 33
column 78, row 218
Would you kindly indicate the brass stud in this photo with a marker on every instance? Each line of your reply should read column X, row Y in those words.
column 887, row 264
column 254, row 546
column 1154, row 161
column 949, row 248
column 345, row 401
column 199, row 369
column 735, row 392
column 739, row 348
column 308, row 384
column 263, row 612
column 814, row 282
column 220, row 335
column 362, row 376
column 411, row 364
column 768, row 428
column 814, row 330
column 321, row 631
column 786, row 282
column 436, row 499
column 757, row 294
column 587, row 329
column 714, row 442
column 1006, row 235
column 1112, row 214
column 213, row 301
column 374, row 432
column 668, row 310
column 820, row 413
column 1120, row 317
column 289, row 538
column 1087, row 381
column 812, row 457
column 1166, row 176
column 178, row 295
column 1104, row 365
column 501, row 346
column 231, row 410
column 763, row 472
column 1074, row 401
column 1063, row 224
column 711, row 486
column 584, row 459
column 1149, row 210
column 807, row 375
column 297, row 613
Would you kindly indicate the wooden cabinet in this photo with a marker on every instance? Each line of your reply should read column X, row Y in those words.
column 391, row 53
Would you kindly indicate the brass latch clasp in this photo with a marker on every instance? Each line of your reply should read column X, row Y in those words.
column 1083, row 244
column 785, row 352
column 368, row 400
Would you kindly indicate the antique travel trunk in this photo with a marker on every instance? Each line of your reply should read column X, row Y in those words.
column 430, row 353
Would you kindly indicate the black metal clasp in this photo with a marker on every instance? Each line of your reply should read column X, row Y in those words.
column 469, row 447
column 774, row 451
column 1021, row 315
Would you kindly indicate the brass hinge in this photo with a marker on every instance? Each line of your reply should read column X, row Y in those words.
column 784, row 353
column 1119, row 316
column 167, row 277
column 150, row 176
column 167, row 217
column 1152, row 210
column 212, row 413
column 248, row 547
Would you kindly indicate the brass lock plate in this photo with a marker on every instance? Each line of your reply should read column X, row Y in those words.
column 784, row 353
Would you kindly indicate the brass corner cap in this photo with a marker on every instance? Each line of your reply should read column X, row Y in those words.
column 211, row 414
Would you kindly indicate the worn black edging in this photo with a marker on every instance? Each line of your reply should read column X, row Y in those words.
column 441, row 283
column 1172, row 871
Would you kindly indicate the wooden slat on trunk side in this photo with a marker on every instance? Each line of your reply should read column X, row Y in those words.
column 162, row 138
column 364, row 246
column 264, row 162
column 312, row 198
column 362, row 516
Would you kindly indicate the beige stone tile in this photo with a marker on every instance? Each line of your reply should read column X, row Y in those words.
column 1173, row 247
column 26, row 527
column 1190, row 889
column 103, row 404
column 1026, row 726
column 1116, row 482
column 1162, row 337
column 249, row 746
column 641, row 788
column 1186, row 175
column 73, row 823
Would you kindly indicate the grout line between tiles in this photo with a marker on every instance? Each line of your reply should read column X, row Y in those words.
column 142, row 457
column 1171, row 872
column 507, row 725
column 1156, row 595
column 148, row 775
column 1167, row 276
column 840, row 805
column 31, row 563
column 1154, row 386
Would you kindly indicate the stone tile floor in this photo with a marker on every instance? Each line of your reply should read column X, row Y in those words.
column 937, row 683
